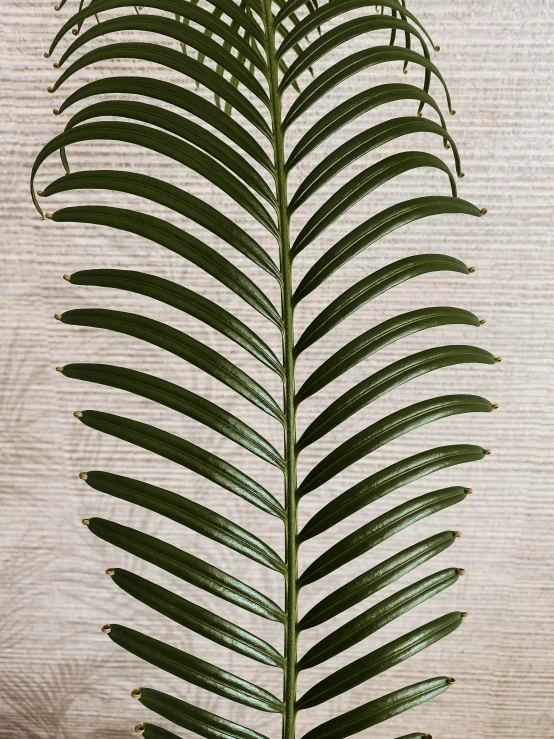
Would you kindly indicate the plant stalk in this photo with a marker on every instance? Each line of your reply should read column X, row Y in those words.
column 287, row 312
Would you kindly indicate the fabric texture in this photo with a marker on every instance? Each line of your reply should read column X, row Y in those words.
column 61, row 677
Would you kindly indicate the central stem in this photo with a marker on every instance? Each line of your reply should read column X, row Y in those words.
column 287, row 312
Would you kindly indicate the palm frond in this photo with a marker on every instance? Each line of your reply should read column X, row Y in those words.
column 251, row 57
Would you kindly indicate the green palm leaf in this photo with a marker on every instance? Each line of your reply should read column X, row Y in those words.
column 176, row 240
column 373, row 533
column 387, row 429
column 376, row 578
column 372, row 230
column 184, row 453
column 171, row 197
column 186, row 300
column 178, row 343
column 375, row 618
column 198, row 619
column 186, row 512
column 379, row 710
column 380, row 660
column 249, row 56
column 189, row 717
column 356, row 106
column 180, row 126
column 353, row 64
column 388, row 379
column 188, row 11
column 167, row 92
column 176, row 61
column 186, row 566
column 194, row 670
column 385, row 481
column 357, row 147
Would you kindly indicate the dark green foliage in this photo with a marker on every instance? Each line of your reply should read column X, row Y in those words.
column 247, row 54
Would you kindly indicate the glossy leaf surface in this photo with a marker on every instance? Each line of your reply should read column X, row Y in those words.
column 194, row 516
column 193, row 670
column 231, row 82
column 186, row 566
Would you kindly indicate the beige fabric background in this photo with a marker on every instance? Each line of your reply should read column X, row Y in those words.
column 60, row 677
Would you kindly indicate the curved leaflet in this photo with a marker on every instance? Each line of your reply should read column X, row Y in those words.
column 387, row 379
column 377, row 616
column 187, row 513
column 249, row 56
column 169, row 236
column 189, row 717
column 376, row 578
column 389, row 428
column 196, row 618
column 373, row 533
column 193, row 669
column 184, row 300
column 186, row 454
column 387, row 480
column 180, row 344
column 186, row 566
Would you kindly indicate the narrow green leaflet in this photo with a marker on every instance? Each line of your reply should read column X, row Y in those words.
column 338, row 7
column 178, row 241
column 196, row 618
column 376, row 578
column 186, row 35
column 387, row 379
column 227, row 88
column 171, row 197
column 339, row 35
column 379, row 615
column 191, row 718
column 187, row 567
column 188, row 11
column 167, row 92
column 331, row 10
column 350, row 109
column 381, row 709
column 376, row 228
column 187, row 513
column 357, row 147
column 185, row 453
column 350, row 66
column 186, row 300
column 179, row 399
column 184, row 346
column 377, row 338
column 171, row 59
column 379, row 660
column 193, row 669
column 386, row 481
column 184, row 128
column 373, row 533
column 169, row 146
column 388, row 428
column 363, row 292
column 361, row 185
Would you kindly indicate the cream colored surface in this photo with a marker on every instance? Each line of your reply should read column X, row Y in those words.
column 60, row 677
